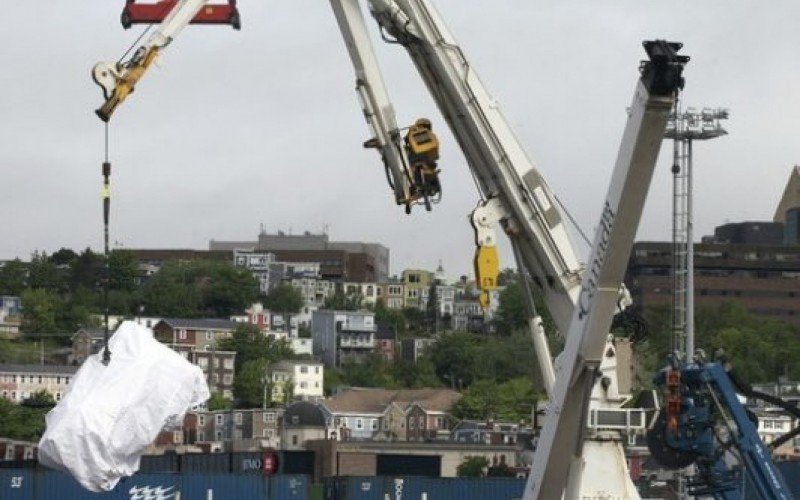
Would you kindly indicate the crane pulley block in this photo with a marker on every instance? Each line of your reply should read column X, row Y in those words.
column 152, row 13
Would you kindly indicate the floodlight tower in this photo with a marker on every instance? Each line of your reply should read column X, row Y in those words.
column 683, row 128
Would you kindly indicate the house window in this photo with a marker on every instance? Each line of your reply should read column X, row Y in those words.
column 237, row 417
column 374, row 424
column 219, row 419
column 182, row 334
column 316, row 370
column 227, row 379
column 40, row 379
column 294, row 439
column 201, row 420
column 269, row 418
column 359, row 423
column 58, row 380
column 209, row 335
column 202, row 362
column 201, row 436
column 267, row 433
column 304, row 369
column 66, row 380
column 303, row 385
column 411, row 423
column 219, row 435
column 229, row 363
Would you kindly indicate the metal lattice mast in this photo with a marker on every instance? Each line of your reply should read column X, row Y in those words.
column 683, row 128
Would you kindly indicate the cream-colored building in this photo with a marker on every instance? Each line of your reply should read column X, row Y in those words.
column 297, row 380
column 19, row 382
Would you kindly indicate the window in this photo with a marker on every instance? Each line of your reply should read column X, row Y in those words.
column 201, row 420
column 40, row 379
column 58, row 380
column 316, row 370
column 219, row 419
column 229, row 363
column 411, row 423
column 227, row 379
column 294, row 439
column 237, row 417
column 182, row 334
column 66, row 380
column 303, row 385
column 304, row 369
column 202, row 362
column 267, row 433
column 374, row 424
column 209, row 335
column 219, row 435
column 359, row 423
column 201, row 436
column 269, row 418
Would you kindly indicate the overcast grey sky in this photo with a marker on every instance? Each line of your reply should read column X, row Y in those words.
column 263, row 126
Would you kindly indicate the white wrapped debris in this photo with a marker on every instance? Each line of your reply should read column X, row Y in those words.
column 101, row 427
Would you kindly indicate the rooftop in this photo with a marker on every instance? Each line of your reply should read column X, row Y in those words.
column 370, row 400
column 201, row 323
column 54, row 369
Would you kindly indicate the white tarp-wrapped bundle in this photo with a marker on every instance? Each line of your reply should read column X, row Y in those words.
column 111, row 413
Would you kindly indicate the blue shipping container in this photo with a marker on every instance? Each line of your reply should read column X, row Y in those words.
column 16, row 484
column 26, row 484
column 397, row 488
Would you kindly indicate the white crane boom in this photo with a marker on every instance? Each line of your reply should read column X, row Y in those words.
column 119, row 79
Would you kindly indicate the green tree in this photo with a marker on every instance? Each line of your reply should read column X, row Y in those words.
column 13, row 277
column 251, row 345
column 454, row 355
column 250, row 383
column 472, row 466
column 87, row 270
column 225, row 288
column 171, row 292
column 21, row 422
column 419, row 374
column 43, row 273
column 509, row 401
column 218, row 401
column 39, row 308
column 40, row 399
column 372, row 371
column 340, row 301
column 63, row 257
column 123, row 270
column 391, row 317
column 285, row 300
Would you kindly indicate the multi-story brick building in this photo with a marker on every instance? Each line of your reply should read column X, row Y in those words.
column 763, row 278
column 217, row 366
column 19, row 382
